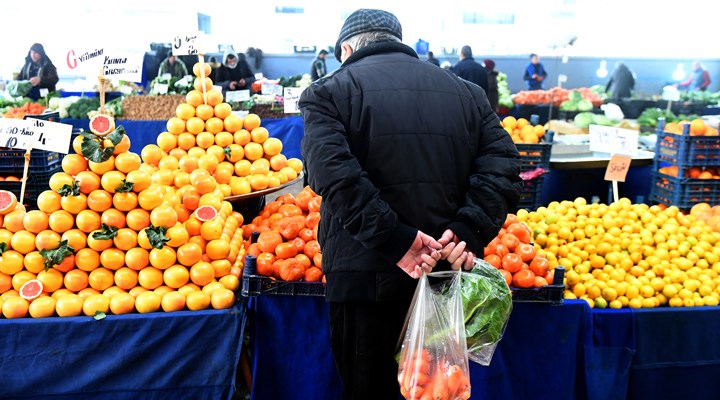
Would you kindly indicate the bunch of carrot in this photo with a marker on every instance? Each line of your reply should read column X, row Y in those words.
column 424, row 378
column 26, row 109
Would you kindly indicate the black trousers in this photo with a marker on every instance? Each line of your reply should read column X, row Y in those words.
column 364, row 339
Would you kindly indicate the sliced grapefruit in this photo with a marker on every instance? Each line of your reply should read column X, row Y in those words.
column 205, row 213
column 31, row 289
column 102, row 125
column 8, row 202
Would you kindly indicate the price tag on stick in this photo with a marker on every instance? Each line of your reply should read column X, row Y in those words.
column 51, row 136
column 186, row 45
column 616, row 171
column 15, row 133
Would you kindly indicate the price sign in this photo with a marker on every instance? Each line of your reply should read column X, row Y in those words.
column 272, row 89
column 237, row 95
column 15, row 133
column 43, row 92
column 166, row 76
column 186, row 45
column 123, row 66
column 85, row 60
column 606, row 139
column 161, row 88
column 291, row 99
column 50, row 136
column 618, row 168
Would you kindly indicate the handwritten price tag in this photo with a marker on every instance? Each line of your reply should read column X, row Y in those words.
column 126, row 67
column 607, row 139
column 291, row 98
column 161, row 88
column 186, row 45
column 15, row 133
column 237, row 95
column 272, row 88
column 50, row 136
column 618, row 168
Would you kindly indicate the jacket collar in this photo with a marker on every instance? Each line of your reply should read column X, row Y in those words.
column 379, row 48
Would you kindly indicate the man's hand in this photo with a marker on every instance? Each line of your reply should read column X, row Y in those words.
column 241, row 82
column 233, row 85
column 454, row 251
column 35, row 80
column 421, row 257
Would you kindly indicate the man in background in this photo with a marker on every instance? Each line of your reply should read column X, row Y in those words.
column 431, row 59
column 470, row 70
column 621, row 83
column 172, row 66
column 699, row 80
column 234, row 73
column 318, row 69
column 535, row 73
column 402, row 153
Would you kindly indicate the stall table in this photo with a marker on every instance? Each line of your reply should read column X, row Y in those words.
column 180, row 355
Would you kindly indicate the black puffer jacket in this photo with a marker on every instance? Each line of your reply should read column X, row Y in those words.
column 394, row 144
column 472, row 71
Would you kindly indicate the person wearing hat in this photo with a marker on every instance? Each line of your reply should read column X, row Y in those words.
column 415, row 173
column 318, row 69
column 171, row 65
column 39, row 71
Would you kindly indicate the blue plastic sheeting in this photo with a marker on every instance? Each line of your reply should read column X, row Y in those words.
column 180, row 355
column 288, row 130
column 548, row 352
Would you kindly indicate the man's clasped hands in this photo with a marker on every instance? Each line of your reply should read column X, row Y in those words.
column 425, row 253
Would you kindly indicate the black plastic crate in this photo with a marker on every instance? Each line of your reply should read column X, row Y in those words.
column 531, row 196
column 686, row 150
column 534, row 156
column 684, row 192
column 255, row 285
column 37, row 183
column 552, row 294
column 13, row 160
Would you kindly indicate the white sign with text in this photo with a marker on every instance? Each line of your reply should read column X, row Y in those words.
column 123, row 66
column 608, row 139
column 237, row 95
column 291, row 98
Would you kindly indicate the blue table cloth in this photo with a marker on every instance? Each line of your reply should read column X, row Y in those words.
column 181, row 355
column 548, row 352
column 289, row 130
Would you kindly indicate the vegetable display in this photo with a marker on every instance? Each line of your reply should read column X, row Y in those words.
column 505, row 96
column 556, row 96
column 649, row 117
column 19, row 88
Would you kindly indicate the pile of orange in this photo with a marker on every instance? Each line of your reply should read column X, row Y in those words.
column 287, row 248
column 121, row 234
column 522, row 131
column 709, row 215
column 698, row 127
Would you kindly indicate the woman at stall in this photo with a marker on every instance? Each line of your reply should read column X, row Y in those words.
column 39, row 71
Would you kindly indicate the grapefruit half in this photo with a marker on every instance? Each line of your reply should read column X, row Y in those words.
column 102, row 125
column 31, row 289
column 205, row 213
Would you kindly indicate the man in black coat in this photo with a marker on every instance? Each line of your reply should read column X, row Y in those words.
column 470, row 70
column 402, row 152
column 234, row 73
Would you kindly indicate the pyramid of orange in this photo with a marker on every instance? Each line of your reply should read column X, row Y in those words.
column 120, row 232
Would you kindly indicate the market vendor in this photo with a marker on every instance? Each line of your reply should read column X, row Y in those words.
column 234, row 73
column 408, row 159
column 318, row 69
column 39, row 71
column 171, row 65
column 698, row 80
column 621, row 83
column 535, row 73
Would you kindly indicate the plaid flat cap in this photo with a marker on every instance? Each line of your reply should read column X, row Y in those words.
column 367, row 20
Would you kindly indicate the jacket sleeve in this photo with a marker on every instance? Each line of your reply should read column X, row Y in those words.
column 49, row 76
column 336, row 175
column 543, row 72
column 706, row 80
column 249, row 76
column 494, row 186
column 527, row 76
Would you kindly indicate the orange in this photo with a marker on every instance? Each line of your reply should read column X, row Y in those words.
column 193, row 226
column 186, row 141
column 23, row 242
column 221, row 267
column 88, row 181
column 163, row 258
column 76, row 279
column 272, row 146
column 178, row 235
column 87, row 292
column 289, row 172
column 216, row 151
column 15, row 307
column 204, row 140
column 99, row 200
column 211, row 287
column 202, row 273
column 218, row 249
column 214, row 97
column 138, row 219
column 194, row 98
column 35, row 221
column 122, row 303
column 150, row 278
column 150, row 198
column 204, row 112
column 60, row 179
column 100, row 279
column 204, row 184
column 176, row 276
column 33, row 262
column 163, row 290
column 128, row 162
column 47, row 239
column 167, row 141
column 136, row 291
column 189, row 254
column 195, row 125
column 126, row 278
column 251, row 121
column 51, row 279
column 48, row 201
column 509, row 122
column 177, row 153
column 260, row 167
column 112, row 258
column 74, row 163
column 22, row 277
column 151, row 154
column 698, row 127
column 173, row 301
column 74, row 204
column 230, row 282
column 188, row 163
column 169, row 163
column 253, row 151
column 259, row 182
column 98, row 244
column 76, row 239
column 205, row 71
column 208, row 162
column 214, row 125
column 103, row 167
column 184, row 111
column 69, row 305
column 125, row 239
column 200, row 83
column 13, row 221
column 97, row 303
column 197, row 300
column 259, row 135
column 42, row 307
column 88, row 220
column 176, row 126
column 222, row 298
column 278, row 162
column 125, row 201
column 223, row 110
column 163, row 216
column 189, row 288
column 147, row 302
column 211, row 230
column 137, row 258
column 241, row 137
column 113, row 217
column 141, row 180
column 295, row 164
column 123, row 146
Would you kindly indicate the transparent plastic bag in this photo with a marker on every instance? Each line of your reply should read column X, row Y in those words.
column 433, row 361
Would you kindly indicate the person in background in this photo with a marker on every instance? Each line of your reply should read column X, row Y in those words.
column 234, row 73
column 535, row 73
column 431, row 59
column 621, row 83
column 492, row 92
column 318, row 69
column 39, row 71
column 171, row 65
column 393, row 181
column 470, row 70
column 698, row 80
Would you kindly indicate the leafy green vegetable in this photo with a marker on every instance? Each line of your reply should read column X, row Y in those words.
column 56, row 257
column 575, row 96
column 569, row 105
column 156, row 236
column 18, row 88
column 584, row 119
column 584, row 105
column 93, row 147
column 106, row 232
column 81, row 108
